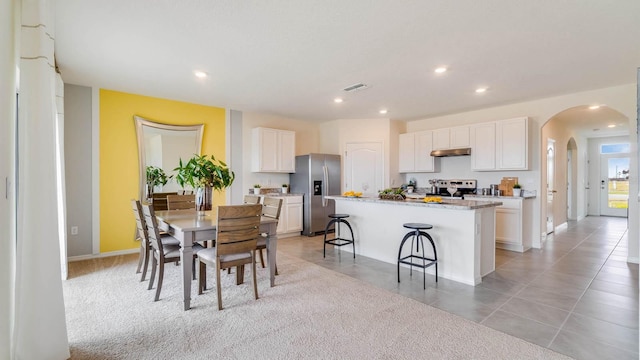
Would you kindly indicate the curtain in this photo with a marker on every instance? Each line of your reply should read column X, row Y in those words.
column 39, row 321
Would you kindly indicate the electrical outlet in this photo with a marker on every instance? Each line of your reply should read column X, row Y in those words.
column 74, row 230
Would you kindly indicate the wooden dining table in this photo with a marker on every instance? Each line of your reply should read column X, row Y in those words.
column 190, row 226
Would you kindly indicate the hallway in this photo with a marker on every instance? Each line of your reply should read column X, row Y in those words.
column 577, row 295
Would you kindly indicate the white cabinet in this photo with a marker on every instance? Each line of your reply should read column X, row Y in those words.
column 290, row 216
column 500, row 145
column 451, row 138
column 273, row 150
column 511, row 144
column 414, row 151
column 514, row 222
column 483, row 146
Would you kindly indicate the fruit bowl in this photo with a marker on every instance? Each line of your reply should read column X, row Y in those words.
column 352, row 193
column 433, row 199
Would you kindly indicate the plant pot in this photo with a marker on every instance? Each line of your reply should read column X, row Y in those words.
column 517, row 192
column 204, row 198
column 256, row 191
column 285, row 190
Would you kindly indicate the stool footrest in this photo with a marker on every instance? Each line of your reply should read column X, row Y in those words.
column 339, row 241
column 420, row 265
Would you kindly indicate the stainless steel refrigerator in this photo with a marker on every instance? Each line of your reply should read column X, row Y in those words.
column 316, row 176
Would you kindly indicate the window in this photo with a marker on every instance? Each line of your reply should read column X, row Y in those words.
column 614, row 148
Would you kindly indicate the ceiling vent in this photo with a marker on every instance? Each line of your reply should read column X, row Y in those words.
column 355, row 87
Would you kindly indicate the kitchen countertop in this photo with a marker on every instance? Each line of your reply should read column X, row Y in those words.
column 502, row 197
column 446, row 204
column 278, row 194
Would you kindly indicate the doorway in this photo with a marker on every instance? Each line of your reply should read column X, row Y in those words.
column 572, row 180
column 614, row 184
column 363, row 167
column 551, row 166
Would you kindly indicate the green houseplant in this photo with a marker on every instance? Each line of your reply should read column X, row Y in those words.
column 204, row 174
column 517, row 190
column 155, row 177
column 256, row 188
column 285, row 188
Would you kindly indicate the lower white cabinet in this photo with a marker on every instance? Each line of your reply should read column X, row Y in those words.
column 290, row 222
column 514, row 222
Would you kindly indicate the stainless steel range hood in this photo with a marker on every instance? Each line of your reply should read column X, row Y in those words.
column 451, row 152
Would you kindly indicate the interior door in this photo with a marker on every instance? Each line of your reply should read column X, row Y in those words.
column 363, row 167
column 614, row 184
column 551, row 168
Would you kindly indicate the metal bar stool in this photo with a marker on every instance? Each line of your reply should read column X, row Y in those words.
column 338, row 241
column 414, row 259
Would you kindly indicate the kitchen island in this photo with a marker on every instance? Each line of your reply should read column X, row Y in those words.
column 463, row 231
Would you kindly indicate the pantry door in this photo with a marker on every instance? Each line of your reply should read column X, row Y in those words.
column 364, row 167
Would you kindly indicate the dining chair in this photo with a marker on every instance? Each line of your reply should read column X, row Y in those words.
column 238, row 228
column 251, row 199
column 271, row 208
column 162, row 253
column 142, row 236
column 181, row 202
column 160, row 200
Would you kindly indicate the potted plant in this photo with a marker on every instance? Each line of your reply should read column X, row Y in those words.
column 285, row 188
column 155, row 177
column 517, row 190
column 256, row 189
column 204, row 174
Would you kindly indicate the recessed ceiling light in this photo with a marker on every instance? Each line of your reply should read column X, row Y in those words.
column 338, row 100
column 383, row 111
column 481, row 90
column 440, row 70
column 594, row 107
column 200, row 74
column 611, row 126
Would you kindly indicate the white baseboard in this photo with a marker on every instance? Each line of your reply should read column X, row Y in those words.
column 102, row 255
column 561, row 226
column 581, row 217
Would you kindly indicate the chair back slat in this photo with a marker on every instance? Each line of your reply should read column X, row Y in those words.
column 153, row 231
column 141, row 227
column 251, row 199
column 237, row 228
column 271, row 207
column 181, row 202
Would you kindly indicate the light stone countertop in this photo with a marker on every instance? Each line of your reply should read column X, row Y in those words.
column 446, row 204
column 501, row 197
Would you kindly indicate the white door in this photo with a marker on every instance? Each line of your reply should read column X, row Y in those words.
column 551, row 168
column 363, row 167
column 614, row 184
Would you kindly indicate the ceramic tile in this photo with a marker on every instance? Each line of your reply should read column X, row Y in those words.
column 583, row 347
column 526, row 329
column 537, row 312
column 603, row 331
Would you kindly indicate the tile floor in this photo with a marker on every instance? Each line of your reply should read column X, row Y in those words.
column 577, row 295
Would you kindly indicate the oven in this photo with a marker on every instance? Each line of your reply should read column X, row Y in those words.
column 459, row 188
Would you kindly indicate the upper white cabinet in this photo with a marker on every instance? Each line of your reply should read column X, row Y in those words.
column 451, row 138
column 273, row 150
column 483, row 146
column 511, row 144
column 500, row 145
column 415, row 149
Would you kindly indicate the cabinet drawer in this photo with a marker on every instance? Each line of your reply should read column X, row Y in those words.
column 510, row 204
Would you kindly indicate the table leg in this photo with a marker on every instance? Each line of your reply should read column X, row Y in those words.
column 186, row 258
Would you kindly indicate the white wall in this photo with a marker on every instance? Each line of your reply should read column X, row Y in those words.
column 307, row 140
column 621, row 98
column 8, row 84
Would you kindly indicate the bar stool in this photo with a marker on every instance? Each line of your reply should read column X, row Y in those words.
column 412, row 259
column 338, row 241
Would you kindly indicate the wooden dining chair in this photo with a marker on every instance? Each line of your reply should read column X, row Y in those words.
column 160, row 200
column 161, row 253
column 271, row 208
column 251, row 199
column 143, row 237
column 237, row 232
column 181, row 202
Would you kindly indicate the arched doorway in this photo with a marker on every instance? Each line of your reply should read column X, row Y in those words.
column 574, row 127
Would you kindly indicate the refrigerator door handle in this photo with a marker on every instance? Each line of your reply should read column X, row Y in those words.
column 325, row 185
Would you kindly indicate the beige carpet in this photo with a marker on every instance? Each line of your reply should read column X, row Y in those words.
column 312, row 313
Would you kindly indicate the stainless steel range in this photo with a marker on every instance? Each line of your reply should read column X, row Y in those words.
column 461, row 187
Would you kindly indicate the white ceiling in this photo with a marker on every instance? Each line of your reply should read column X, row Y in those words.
column 292, row 58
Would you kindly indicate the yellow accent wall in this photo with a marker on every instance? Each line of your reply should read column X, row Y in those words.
column 119, row 171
